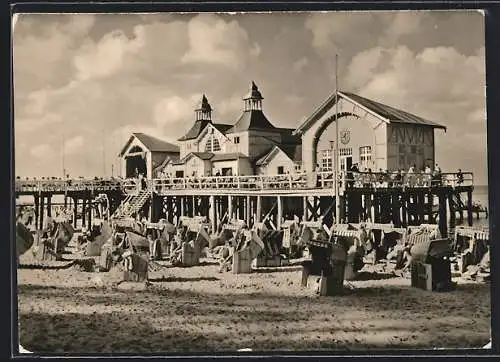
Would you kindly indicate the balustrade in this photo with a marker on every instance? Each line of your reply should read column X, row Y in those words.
column 319, row 180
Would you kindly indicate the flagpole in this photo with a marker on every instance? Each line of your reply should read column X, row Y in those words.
column 103, row 156
column 62, row 154
column 336, row 173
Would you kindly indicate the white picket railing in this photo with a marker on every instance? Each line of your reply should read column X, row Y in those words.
column 303, row 181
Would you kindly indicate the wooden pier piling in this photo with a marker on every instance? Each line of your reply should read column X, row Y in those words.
column 402, row 206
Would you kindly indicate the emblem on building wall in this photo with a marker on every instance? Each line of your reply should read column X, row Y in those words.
column 345, row 136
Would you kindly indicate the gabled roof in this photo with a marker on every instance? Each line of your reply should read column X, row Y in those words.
column 386, row 113
column 195, row 130
column 205, row 156
column 153, row 144
column 293, row 152
column 222, row 128
column 201, row 155
column 251, row 120
column 227, row 156
column 161, row 165
column 390, row 113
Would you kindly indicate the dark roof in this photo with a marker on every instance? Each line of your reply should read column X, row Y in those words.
column 222, row 127
column 294, row 152
column 259, row 159
column 288, row 137
column 153, row 144
column 161, row 165
column 251, row 120
column 390, row 113
column 202, row 155
column 254, row 92
column 195, row 131
column 227, row 156
column 204, row 105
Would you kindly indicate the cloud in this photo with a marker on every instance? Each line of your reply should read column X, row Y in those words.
column 42, row 55
column 300, row 64
column 230, row 105
column 171, row 110
column 35, row 124
column 88, row 75
column 105, row 57
column 74, row 145
column 42, row 151
column 439, row 84
column 216, row 41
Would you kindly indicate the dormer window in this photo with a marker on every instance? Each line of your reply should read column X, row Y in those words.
column 236, row 140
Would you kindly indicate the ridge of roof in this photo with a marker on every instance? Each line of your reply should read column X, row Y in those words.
column 390, row 113
column 385, row 112
column 152, row 143
column 195, row 130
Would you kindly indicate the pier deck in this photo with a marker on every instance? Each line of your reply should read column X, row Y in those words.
column 410, row 200
column 318, row 183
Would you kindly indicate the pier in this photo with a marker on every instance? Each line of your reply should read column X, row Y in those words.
column 413, row 200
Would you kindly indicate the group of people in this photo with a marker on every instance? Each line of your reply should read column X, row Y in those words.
column 426, row 177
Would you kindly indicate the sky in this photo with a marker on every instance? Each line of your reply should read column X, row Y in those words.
column 84, row 82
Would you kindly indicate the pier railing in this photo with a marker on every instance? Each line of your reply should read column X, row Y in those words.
column 301, row 181
column 411, row 180
column 29, row 186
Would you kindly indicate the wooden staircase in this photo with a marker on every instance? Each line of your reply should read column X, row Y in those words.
column 132, row 204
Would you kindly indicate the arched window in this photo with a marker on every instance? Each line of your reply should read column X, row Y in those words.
column 208, row 145
column 215, row 144
column 135, row 149
column 212, row 145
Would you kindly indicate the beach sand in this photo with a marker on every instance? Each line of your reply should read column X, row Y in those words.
column 198, row 309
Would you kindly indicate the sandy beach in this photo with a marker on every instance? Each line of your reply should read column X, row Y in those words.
column 198, row 309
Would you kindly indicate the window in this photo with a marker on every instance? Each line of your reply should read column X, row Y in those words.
column 402, row 161
column 281, row 170
column 236, row 140
column 212, row 145
column 179, row 174
column 365, row 156
column 326, row 160
column 215, row 145
column 297, row 167
column 346, row 152
column 413, row 149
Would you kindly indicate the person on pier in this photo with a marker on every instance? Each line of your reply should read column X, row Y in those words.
column 352, row 175
column 460, row 177
column 428, row 175
column 437, row 175
column 411, row 175
column 397, row 178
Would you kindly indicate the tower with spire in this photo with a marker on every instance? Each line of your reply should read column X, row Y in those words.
column 253, row 100
column 235, row 146
column 203, row 116
column 204, row 110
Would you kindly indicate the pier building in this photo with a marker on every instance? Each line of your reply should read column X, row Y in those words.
column 250, row 169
